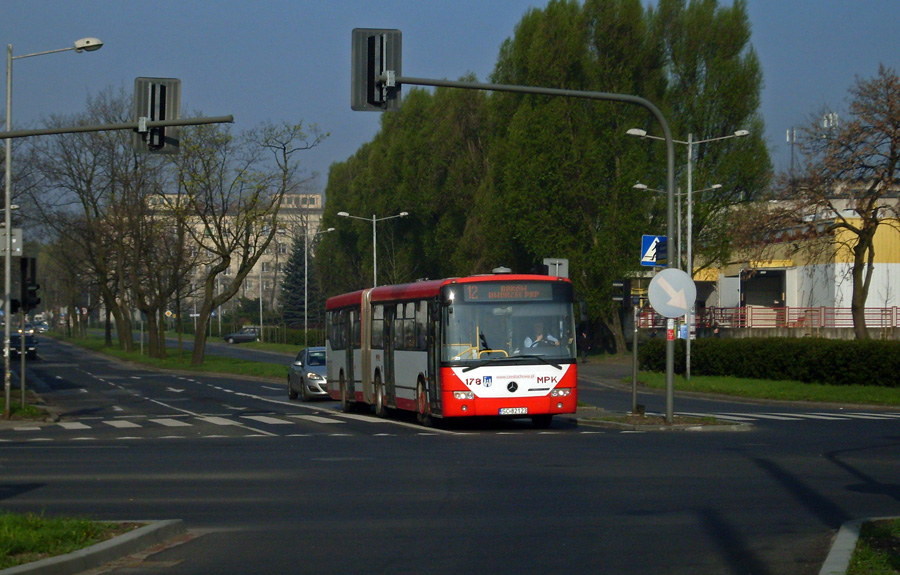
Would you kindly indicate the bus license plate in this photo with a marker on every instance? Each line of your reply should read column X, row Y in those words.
column 513, row 411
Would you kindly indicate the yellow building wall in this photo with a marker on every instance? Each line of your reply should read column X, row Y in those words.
column 887, row 243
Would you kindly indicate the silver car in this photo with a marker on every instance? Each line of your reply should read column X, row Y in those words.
column 306, row 376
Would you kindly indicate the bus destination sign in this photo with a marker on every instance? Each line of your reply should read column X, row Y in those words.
column 503, row 292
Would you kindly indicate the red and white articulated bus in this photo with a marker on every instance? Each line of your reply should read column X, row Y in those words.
column 494, row 345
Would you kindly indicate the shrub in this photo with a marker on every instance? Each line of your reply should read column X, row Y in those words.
column 810, row 360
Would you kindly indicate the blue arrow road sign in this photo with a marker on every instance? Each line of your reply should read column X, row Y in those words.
column 653, row 250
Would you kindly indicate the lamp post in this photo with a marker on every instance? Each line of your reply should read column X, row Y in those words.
column 306, row 282
column 374, row 220
column 82, row 45
column 690, row 143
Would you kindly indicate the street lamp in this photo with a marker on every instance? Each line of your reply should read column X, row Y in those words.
column 690, row 261
column 306, row 281
column 82, row 45
column 374, row 220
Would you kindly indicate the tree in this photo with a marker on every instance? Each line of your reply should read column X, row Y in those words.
column 92, row 193
column 229, row 196
column 850, row 180
column 511, row 179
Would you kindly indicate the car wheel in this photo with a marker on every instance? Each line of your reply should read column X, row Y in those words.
column 291, row 393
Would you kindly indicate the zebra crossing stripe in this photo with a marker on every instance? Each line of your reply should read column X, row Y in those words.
column 267, row 419
column 776, row 416
column 218, row 420
column 73, row 425
column 168, row 422
column 822, row 416
column 865, row 416
column 121, row 423
column 717, row 416
column 317, row 419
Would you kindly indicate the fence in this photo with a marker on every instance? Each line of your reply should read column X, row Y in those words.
column 782, row 317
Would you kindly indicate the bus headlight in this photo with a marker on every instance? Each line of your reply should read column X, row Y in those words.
column 463, row 395
column 561, row 392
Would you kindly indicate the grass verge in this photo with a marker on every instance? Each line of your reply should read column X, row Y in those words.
column 16, row 411
column 878, row 549
column 182, row 361
column 25, row 538
column 779, row 390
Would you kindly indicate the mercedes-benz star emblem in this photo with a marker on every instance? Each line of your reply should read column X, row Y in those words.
column 512, row 387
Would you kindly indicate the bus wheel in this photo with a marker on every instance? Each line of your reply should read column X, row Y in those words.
column 380, row 407
column 422, row 415
column 542, row 421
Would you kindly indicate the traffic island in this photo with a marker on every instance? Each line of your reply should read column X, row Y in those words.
column 596, row 417
column 151, row 533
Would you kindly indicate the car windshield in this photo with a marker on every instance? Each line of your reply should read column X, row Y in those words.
column 316, row 358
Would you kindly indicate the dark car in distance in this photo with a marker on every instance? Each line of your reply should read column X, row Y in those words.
column 244, row 335
column 15, row 345
column 307, row 375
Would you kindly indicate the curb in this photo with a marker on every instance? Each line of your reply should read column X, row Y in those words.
column 96, row 555
column 838, row 560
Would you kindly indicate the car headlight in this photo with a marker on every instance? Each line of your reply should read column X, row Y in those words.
column 314, row 376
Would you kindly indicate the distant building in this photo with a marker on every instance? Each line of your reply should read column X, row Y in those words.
column 300, row 213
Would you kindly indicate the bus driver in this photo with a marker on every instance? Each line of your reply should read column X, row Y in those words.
column 540, row 337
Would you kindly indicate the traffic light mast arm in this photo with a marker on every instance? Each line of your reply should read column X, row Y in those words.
column 134, row 126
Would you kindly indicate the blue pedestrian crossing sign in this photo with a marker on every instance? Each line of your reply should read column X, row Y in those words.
column 654, row 250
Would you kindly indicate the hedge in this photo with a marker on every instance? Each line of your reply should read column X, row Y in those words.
column 810, row 360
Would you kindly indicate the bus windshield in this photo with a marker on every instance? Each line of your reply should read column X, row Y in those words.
column 478, row 331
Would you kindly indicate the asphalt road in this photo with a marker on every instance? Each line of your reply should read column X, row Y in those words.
column 270, row 485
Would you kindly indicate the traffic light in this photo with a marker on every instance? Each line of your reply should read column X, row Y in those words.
column 29, row 296
column 376, row 58
column 14, row 306
column 31, row 300
column 622, row 293
column 156, row 99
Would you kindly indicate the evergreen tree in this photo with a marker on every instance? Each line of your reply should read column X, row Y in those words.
column 292, row 284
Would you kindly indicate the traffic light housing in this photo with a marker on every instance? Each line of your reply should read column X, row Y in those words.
column 376, row 55
column 622, row 293
column 156, row 99
column 29, row 299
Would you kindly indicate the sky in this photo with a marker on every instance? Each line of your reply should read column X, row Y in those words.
column 289, row 60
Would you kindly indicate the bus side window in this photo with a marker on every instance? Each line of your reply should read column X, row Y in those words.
column 378, row 327
column 398, row 327
column 422, row 325
column 357, row 338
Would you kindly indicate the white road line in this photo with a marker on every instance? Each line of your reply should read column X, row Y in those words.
column 73, row 425
column 167, row 422
column 121, row 423
column 776, row 416
column 267, row 419
column 822, row 416
column 716, row 416
column 218, row 420
column 864, row 416
column 317, row 419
